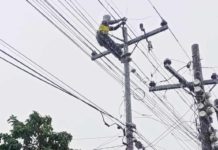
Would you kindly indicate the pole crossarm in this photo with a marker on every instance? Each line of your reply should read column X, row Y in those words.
column 179, row 85
column 130, row 42
column 183, row 82
column 167, row 65
column 147, row 35
column 96, row 56
column 165, row 87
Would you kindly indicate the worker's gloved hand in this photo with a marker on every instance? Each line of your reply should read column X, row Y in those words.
column 124, row 19
column 123, row 22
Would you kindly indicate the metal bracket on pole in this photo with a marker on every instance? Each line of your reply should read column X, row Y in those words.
column 96, row 56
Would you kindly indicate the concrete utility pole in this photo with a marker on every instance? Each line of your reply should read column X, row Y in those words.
column 129, row 125
column 207, row 134
column 204, row 119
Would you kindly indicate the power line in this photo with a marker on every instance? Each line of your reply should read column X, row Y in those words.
column 159, row 65
column 168, row 131
column 53, row 84
column 69, row 37
column 34, row 63
column 95, row 138
column 122, row 73
column 110, row 147
column 104, row 7
column 83, row 36
column 111, row 140
column 177, row 40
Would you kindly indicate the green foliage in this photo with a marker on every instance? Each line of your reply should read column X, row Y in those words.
column 36, row 133
column 9, row 143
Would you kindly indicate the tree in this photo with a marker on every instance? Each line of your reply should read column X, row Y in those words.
column 36, row 133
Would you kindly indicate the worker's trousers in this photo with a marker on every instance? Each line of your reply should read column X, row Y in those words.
column 105, row 41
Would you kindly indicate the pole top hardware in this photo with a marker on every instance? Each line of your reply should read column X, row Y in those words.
column 214, row 76
column 167, row 62
column 152, row 84
column 163, row 23
column 142, row 27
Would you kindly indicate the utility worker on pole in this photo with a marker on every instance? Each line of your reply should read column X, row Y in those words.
column 103, row 37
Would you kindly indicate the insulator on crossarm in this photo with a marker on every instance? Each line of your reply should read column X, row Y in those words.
column 202, row 113
column 214, row 76
column 200, row 106
column 197, row 82
column 138, row 145
column 167, row 62
column 94, row 53
column 198, row 90
column 163, row 23
column 152, row 84
column 210, row 110
column 133, row 70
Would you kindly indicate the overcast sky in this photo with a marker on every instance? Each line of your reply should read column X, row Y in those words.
column 192, row 21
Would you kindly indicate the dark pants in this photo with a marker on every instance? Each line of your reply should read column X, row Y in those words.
column 105, row 41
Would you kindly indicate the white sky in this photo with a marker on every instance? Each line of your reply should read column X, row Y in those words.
column 193, row 21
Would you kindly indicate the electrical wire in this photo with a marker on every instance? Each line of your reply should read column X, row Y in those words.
column 113, row 139
column 169, row 130
column 177, row 40
column 156, row 68
column 111, row 147
column 63, row 31
column 95, row 138
column 44, row 79
column 69, row 37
